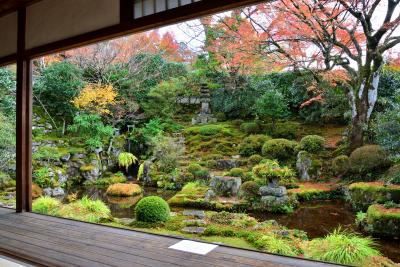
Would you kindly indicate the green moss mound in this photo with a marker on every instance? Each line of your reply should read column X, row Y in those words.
column 249, row 190
column 367, row 159
column 250, row 128
column 362, row 195
column 341, row 165
column 393, row 175
column 312, row 143
column 252, row 144
column 87, row 210
column 382, row 221
column 152, row 209
column 281, row 149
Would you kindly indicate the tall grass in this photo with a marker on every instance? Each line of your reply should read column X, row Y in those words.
column 86, row 209
column 341, row 247
column 46, row 205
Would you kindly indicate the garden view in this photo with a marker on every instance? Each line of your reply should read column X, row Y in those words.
column 275, row 127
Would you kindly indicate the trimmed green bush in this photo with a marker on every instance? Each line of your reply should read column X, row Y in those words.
column 249, row 190
column 255, row 159
column 152, row 209
column 250, row 128
column 194, row 167
column 287, row 130
column 270, row 171
column 312, row 143
column 367, row 159
column 342, row 248
column 236, row 172
column 252, row 144
column 393, row 175
column 341, row 165
column 281, row 149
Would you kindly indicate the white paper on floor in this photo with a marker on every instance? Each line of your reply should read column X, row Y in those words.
column 194, row 247
column 7, row 263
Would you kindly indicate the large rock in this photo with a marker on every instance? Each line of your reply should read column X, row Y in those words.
column 226, row 164
column 273, row 191
column 303, row 164
column 225, row 185
column 56, row 192
column 272, row 201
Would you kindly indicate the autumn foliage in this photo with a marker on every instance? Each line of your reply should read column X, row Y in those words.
column 96, row 98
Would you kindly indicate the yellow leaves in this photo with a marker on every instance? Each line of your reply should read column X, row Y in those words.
column 96, row 98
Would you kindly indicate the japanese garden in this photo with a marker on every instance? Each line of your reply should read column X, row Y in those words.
column 278, row 131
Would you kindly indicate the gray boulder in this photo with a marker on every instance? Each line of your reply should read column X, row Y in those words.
column 226, row 164
column 225, row 185
column 303, row 164
column 273, row 191
column 210, row 195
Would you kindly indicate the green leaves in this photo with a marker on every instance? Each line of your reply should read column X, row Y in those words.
column 126, row 159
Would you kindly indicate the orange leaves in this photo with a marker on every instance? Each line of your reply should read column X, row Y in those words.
column 96, row 98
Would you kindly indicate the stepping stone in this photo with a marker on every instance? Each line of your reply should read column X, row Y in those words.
column 196, row 222
column 193, row 230
column 195, row 213
column 125, row 221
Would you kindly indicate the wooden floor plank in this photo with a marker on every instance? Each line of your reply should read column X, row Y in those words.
column 55, row 241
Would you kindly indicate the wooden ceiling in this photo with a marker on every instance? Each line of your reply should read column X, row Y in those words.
column 8, row 6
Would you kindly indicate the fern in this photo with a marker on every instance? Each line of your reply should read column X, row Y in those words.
column 140, row 171
column 126, row 159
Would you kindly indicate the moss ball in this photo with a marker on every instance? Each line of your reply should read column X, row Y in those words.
column 312, row 143
column 236, row 172
column 255, row 159
column 152, row 209
column 341, row 165
column 281, row 149
column 368, row 158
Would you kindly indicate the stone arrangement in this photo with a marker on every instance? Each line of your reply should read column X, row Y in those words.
column 273, row 196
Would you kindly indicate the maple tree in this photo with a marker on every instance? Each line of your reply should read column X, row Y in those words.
column 343, row 41
column 96, row 98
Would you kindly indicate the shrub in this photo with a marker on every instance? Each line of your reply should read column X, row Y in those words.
column 36, row 191
column 387, row 130
column 276, row 245
column 194, row 167
column 341, row 165
column 250, row 128
column 255, row 159
column 167, row 152
column 42, row 177
column 126, row 159
column 46, row 205
column 271, row 172
column 236, row 172
column 392, row 176
column 287, row 130
column 152, row 209
column 281, row 149
column 87, row 210
column 252, row 144
column 342, row 248
column 124, row 190
column 367, row 158
column 206, row 130
column 249, row 190
column 312, row 143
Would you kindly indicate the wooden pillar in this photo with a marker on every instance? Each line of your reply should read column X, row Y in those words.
column 23, row 121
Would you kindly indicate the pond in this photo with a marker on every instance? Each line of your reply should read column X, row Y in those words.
column 317, row 218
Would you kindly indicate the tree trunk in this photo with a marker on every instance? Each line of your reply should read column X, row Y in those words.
column 363, row 104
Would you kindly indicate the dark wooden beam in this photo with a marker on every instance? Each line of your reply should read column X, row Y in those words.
column 126, row 10
column 23, row 121
column 171, row 16
column 7, row 60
